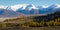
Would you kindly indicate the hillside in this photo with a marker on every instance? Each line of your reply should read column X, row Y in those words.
column 35, row 21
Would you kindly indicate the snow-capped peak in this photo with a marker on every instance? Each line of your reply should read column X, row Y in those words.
column 3, row 7
column 55, row 6
column 44, row 6
column 58, row 6
column 28, row 6
column 33, row 7
column 23, row 6
column 15, row 7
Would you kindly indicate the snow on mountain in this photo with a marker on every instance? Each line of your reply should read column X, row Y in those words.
column 15, row 7
column 49, row 9
column 23, row 6
column 3, row 7
column 32, row 9
column 27, row 9
column 28, row 6
column 54, row 7
column 57, row 6
column 40, row 9
column 44, row 6
column 8, row 12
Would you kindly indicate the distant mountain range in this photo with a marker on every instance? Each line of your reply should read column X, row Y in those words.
column 31, row 9
column 27, row 9
column 9, row 13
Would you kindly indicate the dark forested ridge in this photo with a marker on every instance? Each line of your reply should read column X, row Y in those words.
column 48, row 17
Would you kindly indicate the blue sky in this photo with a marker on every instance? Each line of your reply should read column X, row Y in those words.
column 35, row 2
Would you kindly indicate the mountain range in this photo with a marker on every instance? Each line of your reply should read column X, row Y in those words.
column 27, row 9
